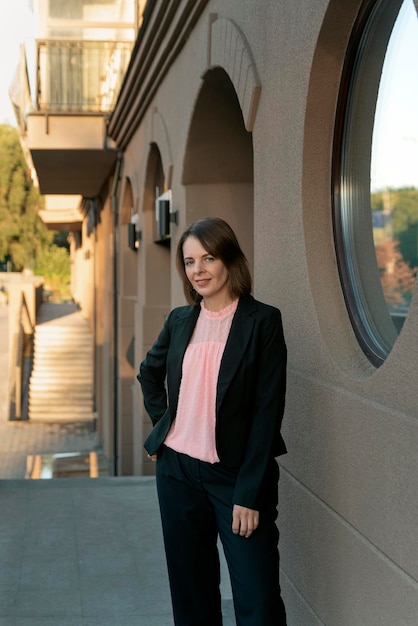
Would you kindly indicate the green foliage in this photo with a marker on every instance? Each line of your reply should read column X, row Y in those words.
column 53, row 263
column 24, row 239
column 405, row 224
column 376, row 201
column 403, row 207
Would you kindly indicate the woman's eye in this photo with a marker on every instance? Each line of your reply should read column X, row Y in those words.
column 188, row 263
column 209, row 259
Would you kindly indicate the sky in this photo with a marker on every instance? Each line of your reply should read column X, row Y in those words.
column 15, row 28
column 395, row 146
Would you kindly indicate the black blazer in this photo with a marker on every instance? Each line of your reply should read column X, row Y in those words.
column 250, row 392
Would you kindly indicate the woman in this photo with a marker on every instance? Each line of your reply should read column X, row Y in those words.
column 217, row 432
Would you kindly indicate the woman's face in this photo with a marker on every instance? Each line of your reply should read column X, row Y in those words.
column 207, row 275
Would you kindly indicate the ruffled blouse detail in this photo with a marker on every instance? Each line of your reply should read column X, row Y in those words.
column 193, row 430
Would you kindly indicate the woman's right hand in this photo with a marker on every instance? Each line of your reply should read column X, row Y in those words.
column 153, row 457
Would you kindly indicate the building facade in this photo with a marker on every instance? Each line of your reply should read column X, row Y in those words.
column 271, row 114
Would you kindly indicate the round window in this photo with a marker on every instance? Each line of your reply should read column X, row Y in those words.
column 376, row 174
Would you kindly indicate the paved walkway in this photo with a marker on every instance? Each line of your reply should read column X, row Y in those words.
column 82, row 552
column 77, row 551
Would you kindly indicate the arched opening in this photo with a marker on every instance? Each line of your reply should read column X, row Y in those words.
column 218, row 163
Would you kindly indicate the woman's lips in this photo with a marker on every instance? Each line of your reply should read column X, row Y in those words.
column 202, row 283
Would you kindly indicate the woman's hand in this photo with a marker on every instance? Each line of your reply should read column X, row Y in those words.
column 153, row 457
column 244, row 521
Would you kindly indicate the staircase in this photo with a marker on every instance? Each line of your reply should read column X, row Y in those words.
column 61, row 382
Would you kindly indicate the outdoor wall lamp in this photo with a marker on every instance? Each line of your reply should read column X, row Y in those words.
column 164, row 214
column 134, row 235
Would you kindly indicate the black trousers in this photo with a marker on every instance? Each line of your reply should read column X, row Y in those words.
column 196, row 507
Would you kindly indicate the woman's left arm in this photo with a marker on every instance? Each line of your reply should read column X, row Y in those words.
column 268, row 409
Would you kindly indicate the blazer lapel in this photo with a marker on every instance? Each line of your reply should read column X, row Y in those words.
column 236, row 345
column 182, row 332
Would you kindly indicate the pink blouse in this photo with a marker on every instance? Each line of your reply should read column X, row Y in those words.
column 193, row 430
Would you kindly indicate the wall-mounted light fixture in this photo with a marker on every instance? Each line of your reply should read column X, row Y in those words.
column 165, row 215
column 134, row 235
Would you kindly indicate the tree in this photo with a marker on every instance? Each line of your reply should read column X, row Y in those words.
column 24, row 239
column 398, row 279
column 402, row 206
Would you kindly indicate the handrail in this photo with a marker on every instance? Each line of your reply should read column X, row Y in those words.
column 21, row 342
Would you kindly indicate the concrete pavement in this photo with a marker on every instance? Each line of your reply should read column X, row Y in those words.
column 82, row 552
column 85, row 552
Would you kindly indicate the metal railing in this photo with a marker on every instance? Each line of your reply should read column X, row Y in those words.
column 80, row 76
column 21, row 351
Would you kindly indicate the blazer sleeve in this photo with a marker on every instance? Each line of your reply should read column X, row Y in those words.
column 152, row 375
column 264, row 439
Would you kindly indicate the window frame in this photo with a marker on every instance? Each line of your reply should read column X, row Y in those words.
column 351, row 166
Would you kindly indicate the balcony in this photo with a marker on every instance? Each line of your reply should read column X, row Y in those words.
column 64, row 126
column 62, row 213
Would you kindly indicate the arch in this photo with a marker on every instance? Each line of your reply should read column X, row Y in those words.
column 229, row 50
column 127, row 208
column 219, row 148
column 161, row 138
column 155, row 185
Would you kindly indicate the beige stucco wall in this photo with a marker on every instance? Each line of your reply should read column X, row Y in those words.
column 348, row 505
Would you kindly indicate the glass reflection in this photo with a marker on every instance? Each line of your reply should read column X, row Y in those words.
column 394, row 167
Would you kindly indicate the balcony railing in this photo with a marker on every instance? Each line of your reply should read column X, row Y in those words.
column 76, row 76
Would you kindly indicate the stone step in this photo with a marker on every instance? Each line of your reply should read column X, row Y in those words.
column 54, row 344
column 64, row 340
column 66, row 375
column 61, row 352
column 76, row 344
column 58, row 324
column 65, row 357
column 63, row 362
column 68, row 406
column 62, row 379
column 61, row 369
column 66, row 363
column 64, row 334
column 59, row 416
column 37, row 386
column 61, row 386
column 73, row 400
column 56, row 386
column 62, row 412
column 63, row 348
column 62, row 330
column 44, row 398
column 75, row 413
column 70, row 373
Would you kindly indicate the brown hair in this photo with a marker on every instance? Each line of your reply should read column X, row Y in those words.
column 219, row 240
